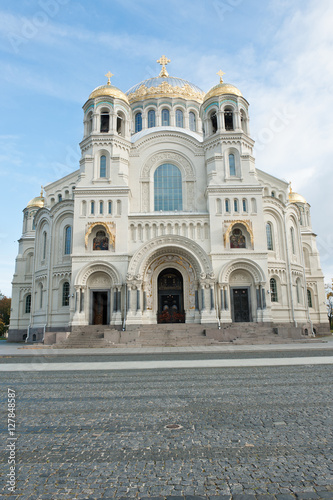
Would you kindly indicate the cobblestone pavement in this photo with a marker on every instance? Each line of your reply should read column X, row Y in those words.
column 246, row 433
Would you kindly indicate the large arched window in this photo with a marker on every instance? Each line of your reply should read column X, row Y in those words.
column 165, row 117
column 269, row 236
column 28, row 304
column 151, row 118
column 138, row 122
column 102, row 166
column 274, row 292
column 168, row 188
column 193, row 124
column 68, row 240
column 232, row 165
column 213, row 120
column 179, row 118
column 65, row 294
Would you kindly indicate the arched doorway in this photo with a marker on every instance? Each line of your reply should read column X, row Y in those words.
column 170, row 297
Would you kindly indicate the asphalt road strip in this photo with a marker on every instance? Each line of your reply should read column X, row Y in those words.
column 164, row 364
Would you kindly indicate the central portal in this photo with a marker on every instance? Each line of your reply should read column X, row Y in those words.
column 170, row 297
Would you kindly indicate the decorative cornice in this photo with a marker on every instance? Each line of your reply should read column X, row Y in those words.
column 102, row 191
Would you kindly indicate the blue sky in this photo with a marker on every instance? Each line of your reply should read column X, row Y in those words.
column 53, row 53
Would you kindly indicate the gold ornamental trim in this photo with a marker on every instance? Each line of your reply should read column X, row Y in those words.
column 109, row 228
column 246, row 223
column 165, row 90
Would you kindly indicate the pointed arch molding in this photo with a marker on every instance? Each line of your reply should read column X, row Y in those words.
column 245, row 265
column 97, row 267
column 175, row 245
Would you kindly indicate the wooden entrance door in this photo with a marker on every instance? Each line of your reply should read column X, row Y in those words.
column 100, row 308
column 241, row 308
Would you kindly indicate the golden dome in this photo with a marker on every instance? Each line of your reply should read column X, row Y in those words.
column 36, row 202
column 222, row 89
column 296, row 198
column 108, row 90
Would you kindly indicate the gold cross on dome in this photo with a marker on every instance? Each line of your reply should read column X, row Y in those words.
column 220, row 74
column 41, row 192
column 163, row 61
column 109, row 75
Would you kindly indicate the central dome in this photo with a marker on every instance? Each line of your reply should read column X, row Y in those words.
column 165, row 86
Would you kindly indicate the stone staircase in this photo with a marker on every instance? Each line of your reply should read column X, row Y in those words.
column 177, row 335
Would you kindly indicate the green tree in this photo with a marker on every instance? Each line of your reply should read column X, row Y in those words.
column 5, row 303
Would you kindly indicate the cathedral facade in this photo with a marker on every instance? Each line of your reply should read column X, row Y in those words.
column 167, row 220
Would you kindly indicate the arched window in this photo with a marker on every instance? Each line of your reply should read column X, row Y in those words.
column 28, row 304
column 59, row 197
column 101, row 207
column 44, row 244
column 269, row 236
column 33, row 222
column 273, row 287
column 92, row 207
column 232, row 165
column 237, row 239
column 102, row 166
column 309, row 294
column 168, row 188
column 165, row 118
column 110, row 207
column 228, row 119
column 244, row 203
column 193, row 121
column 292, row 237
column 41, row 296
column 151, row 118
column 120, row 124
column 273, row 194
column 179, row 118
column 65, row 294
column 105, row 121
column 138, row 122
column 227, row 206
column 101, row 241
column 68, row 240
column 235, row 205
column 213, row 119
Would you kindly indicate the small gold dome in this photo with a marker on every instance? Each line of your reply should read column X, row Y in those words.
column 222, row 89
column 108, row 90
column 36, row 202
column 296, row 198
